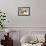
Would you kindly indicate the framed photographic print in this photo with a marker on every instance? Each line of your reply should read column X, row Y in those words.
column 23, row 11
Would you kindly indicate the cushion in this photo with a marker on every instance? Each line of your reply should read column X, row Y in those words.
column 26, row 39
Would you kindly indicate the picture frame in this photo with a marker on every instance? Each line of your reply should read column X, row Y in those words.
column 23, row 11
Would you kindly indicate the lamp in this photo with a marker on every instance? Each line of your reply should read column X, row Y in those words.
column 7, row 31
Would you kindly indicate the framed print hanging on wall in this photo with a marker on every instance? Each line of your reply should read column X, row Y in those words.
column 24, row 11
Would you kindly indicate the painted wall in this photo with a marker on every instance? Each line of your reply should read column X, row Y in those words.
column 35, row 22
column 37, row 16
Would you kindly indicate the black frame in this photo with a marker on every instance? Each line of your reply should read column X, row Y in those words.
column 24, row 7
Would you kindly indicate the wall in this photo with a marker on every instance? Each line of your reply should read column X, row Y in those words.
column 35, row 22
column 37, row 16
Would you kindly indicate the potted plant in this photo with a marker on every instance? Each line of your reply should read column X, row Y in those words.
column 2, row 19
